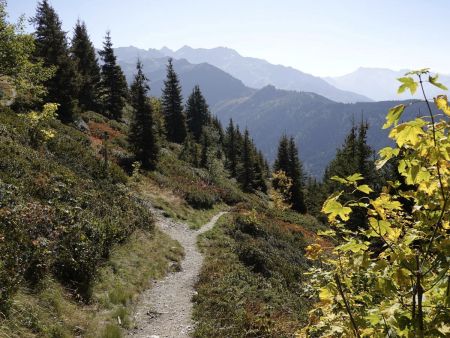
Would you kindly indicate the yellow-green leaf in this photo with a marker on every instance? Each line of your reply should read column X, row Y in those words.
column 339, row 179
column 394, row 115
column 442, row 104
column 353, row 246
column 325, row 295
column 333, row 208
column 365, row 189
column 407, row 83
column 355, row 177
column 408, row 133
column 433, row 81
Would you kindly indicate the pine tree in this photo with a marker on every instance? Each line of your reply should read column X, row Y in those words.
column 295, row 172
column 84, row 55
column 172, row 107
column 288, row 161
column 247, row 174
column 217, row 125
column 354, row 156
column 231, row 149
column 114, row 90
column 197, row 113
column 52, row 47
column 259, row 182
column 142, row 136
column 282, row 160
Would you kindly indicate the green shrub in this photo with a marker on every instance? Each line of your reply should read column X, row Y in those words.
column 93, row 116
column 118, row 126
column 59, row 212
column 112, row 331
column 199, row 199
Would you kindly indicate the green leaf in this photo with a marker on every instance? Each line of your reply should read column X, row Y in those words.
column 394, row 115
column 333, row 209
column 418, row 71
column 442, row 104
column 408, row 133
column 373, row 318
column 385, row 155
column 365, row 189
column 325, row 295
column 328, row 232
column 340, row 180
column 353, row 246
column 355, row 177
column 433, row 81
column 407, row 83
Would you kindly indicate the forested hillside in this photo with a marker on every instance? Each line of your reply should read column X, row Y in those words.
column 127, row 210
column 82, row 175
column 270, row 112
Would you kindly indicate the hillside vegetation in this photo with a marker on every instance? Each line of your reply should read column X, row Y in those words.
column 86, row 160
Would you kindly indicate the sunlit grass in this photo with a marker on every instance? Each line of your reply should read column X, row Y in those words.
column 53, row 311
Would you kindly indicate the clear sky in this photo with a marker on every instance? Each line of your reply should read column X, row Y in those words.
column 322, row 37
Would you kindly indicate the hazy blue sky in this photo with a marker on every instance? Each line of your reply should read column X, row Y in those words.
column 322, row 37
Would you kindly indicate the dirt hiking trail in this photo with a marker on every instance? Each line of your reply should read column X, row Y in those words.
column 165, row 310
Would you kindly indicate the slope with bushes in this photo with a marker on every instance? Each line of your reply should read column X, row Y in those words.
column 64, row 219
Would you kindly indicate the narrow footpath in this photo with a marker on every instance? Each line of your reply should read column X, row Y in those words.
column 165, row 310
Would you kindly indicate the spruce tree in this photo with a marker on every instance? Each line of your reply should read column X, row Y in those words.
column 142, row 136
column 259, row 182
column 197, row 113
column 247, row 174
column 282, row 160
column 231, row 150
column 354, row 156
column 84, row 55
column 217, row 125
column 114, row 90
column 52, row 47
column 172, row 107
column 295, row 172
column 288, row 161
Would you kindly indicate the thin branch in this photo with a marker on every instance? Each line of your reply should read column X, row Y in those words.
column 347, row 306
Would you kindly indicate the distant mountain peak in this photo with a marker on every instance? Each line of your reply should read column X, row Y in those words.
column 166, row 51
column 257, row 73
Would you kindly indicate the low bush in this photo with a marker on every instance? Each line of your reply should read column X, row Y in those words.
column 251, row 281
column 60, row 213
column 199, row 199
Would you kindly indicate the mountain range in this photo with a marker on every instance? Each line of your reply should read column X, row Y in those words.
column 380, row 83
column 318, row 125
column 216, row 85
column 317, row 122
column 253, row 72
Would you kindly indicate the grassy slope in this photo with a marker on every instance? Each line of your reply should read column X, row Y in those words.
column 250, row 284
column 252, row 279
column 51, row 310
column 45, row 185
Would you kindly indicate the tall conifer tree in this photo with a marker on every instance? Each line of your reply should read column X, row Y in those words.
column 84, row 55
column 142, row 136
column 52, row 47
column 354, row 156
column 247, row 174
column 114, row 89
column 173, row 107
column 282, row 160
column 197, row 113
column 288, row 161
column 298, row 179
column 231, row 150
